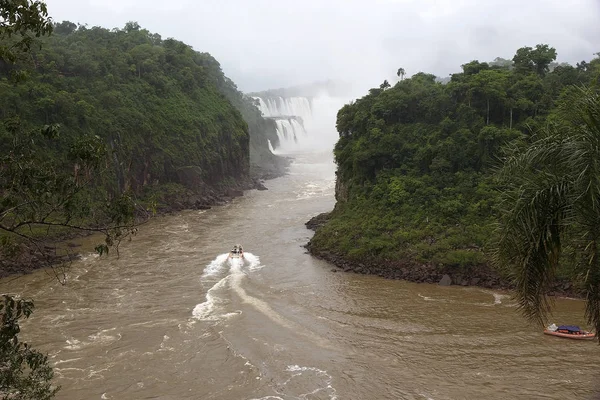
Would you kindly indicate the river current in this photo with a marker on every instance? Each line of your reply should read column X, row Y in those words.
column 172, row 318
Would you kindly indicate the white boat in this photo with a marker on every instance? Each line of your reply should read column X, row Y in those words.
column 237, row 252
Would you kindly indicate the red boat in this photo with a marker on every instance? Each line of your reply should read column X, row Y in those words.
column 569, row 332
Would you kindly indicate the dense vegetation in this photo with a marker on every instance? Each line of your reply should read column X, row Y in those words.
column 126, row 115
column 25, row 373
column 417, row 161
column 156, row 103
column 550, row 208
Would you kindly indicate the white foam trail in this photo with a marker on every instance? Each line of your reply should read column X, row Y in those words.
column 216, row 266
column 205, row 311
column 252, row 261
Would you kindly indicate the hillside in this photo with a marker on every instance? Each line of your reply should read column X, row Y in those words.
column 105, row 115
column 415, row 184
column 168, row 111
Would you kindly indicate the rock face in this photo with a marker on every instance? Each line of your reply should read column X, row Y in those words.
column 341, row 189
column 317, row 221
column 190, row 177
column 260, row 186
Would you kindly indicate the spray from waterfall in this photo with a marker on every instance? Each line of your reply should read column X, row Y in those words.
column 303, row 124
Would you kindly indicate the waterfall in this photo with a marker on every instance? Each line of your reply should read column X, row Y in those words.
column 287, row 131
column 297, row 126
column 273, row 107
column 290, row 115
column 302, row 123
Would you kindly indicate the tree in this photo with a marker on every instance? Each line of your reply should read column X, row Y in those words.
column 491, row 84
column 25, row 374
column 474, row 67
column 551, row 205
column 537, row 60
column 401, row 72
column 384, row 85
column 38, row 195
column 19, row 19
column 542, row 56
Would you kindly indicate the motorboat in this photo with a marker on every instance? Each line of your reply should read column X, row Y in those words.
column 569, row 332
column 236, row 252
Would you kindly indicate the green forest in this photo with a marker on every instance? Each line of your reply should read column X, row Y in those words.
column 157, row 104
column 96, row 120
column 419, row 163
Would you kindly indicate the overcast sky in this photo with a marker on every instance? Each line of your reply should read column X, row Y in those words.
column 264, row 44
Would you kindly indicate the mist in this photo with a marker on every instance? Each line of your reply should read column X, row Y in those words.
column 270, row 44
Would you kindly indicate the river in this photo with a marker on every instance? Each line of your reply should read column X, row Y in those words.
column 172, row 319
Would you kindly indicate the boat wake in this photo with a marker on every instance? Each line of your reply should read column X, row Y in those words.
column 216, row 296
column 217, row 304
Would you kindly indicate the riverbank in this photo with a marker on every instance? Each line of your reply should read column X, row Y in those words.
column 480, row 276
column 64, row 248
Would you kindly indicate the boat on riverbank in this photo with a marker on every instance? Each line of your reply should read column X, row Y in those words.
column 569, row 332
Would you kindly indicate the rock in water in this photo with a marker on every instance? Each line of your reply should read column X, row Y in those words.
column 445, row 281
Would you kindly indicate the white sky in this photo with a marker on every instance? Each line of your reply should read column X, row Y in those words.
column 264, row 44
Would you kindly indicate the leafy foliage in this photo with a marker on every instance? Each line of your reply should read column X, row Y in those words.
column 19, row 20
column 416, row 162
column 120, row 111
column 551, row 203
column 25, row 373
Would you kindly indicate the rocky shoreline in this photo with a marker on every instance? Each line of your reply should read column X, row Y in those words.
column 210, row 196
column 480, row 276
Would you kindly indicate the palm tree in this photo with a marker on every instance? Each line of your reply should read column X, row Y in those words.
column 550, row 209
column 401, row 73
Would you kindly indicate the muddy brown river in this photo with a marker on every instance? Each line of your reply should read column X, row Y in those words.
column 173, row 319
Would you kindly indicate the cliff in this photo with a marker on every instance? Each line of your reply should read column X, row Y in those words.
column 125, row 113
column 416, row 187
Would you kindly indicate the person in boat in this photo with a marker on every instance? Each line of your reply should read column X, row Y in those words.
column 236, row 252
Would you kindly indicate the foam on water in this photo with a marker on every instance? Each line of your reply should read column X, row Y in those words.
column 216, row 266
column 104, row 337
column 268, row 398
column 66, row 361
column 298, row 376
column 90, row 256
column 498, row 298
column 73, row 344
column 205, row 310
column 252, row 262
